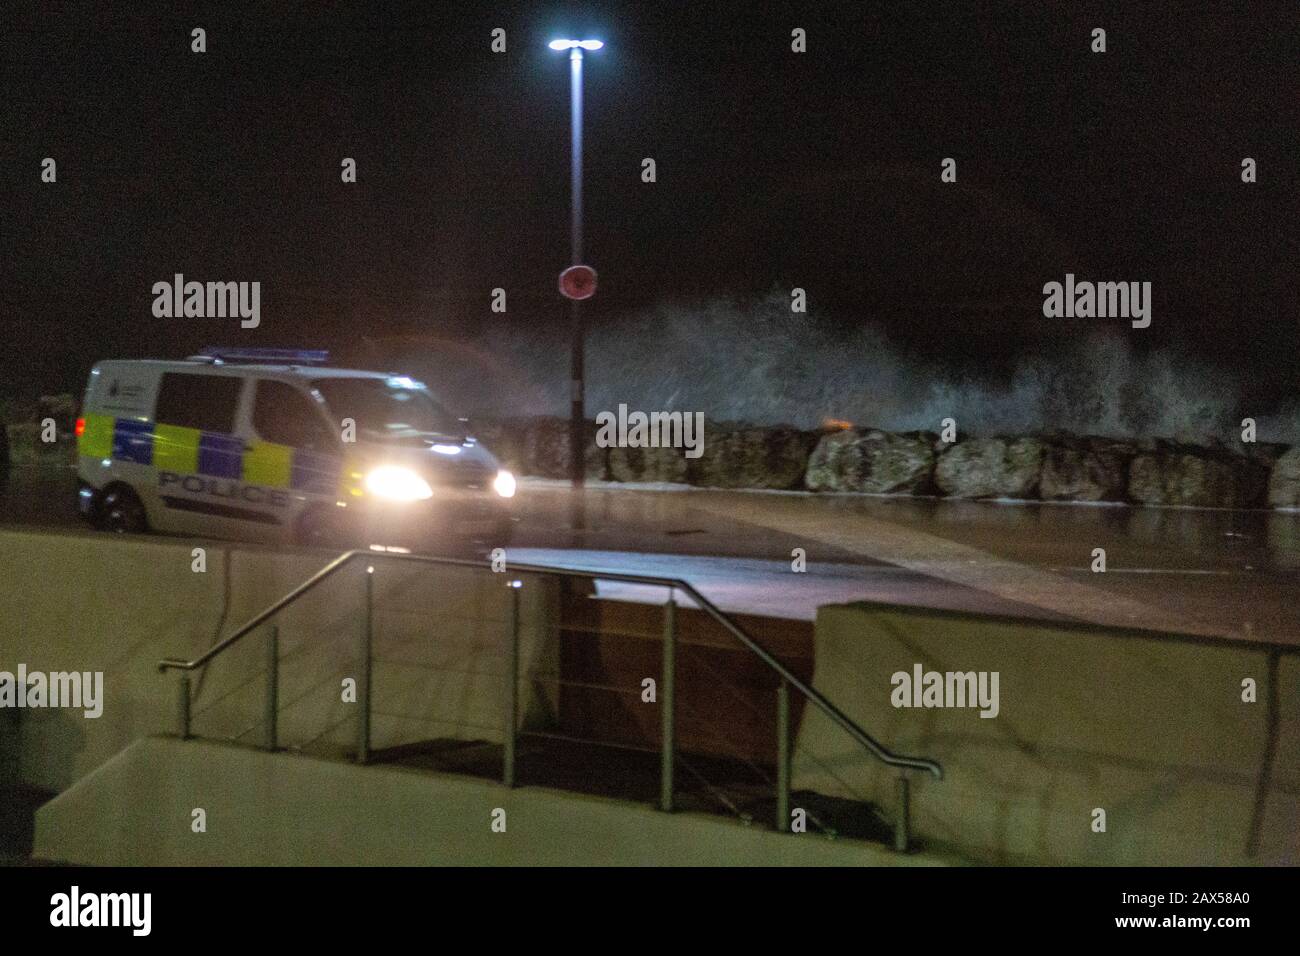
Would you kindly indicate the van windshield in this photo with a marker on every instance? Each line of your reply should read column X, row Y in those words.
column 388, row 409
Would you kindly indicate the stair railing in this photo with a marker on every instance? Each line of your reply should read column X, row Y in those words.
column 668, row 758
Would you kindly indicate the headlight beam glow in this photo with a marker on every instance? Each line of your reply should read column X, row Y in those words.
column 504, row 484
column 397, row 484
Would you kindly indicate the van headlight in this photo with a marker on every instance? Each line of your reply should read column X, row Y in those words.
column 504, row 484
column 397, row 484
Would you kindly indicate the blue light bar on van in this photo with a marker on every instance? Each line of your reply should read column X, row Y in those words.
column 268, row 356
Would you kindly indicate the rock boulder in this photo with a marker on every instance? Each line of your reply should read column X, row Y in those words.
column 544, row 450
column 647, row 464
column 1168, row 473
column 991, row 468
column 749, row 456
column 1085, row 469
column 873, row 461
column 1284, row 480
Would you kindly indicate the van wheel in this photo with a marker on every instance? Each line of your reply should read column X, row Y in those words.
column 321, row 528
column 121, row 512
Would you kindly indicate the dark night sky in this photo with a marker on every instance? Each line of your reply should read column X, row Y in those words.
column 775, row 169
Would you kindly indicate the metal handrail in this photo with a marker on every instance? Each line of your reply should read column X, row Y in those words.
column 171, row 663
column 869, row 743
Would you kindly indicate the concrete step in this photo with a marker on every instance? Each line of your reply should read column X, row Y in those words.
column 282, row 809
column 733, row 789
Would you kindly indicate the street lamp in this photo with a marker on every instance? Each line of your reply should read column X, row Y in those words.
column 575, row 44
column 578, row 281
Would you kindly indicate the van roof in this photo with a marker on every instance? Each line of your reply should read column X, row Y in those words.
column 207, row 364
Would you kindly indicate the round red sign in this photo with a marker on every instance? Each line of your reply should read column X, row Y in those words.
column 578, row 282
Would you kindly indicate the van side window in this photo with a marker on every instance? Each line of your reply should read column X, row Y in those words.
column 285, row 416
column 205, row 402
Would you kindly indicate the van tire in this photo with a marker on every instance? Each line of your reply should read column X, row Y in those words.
column 320, row 528
column 121, row 512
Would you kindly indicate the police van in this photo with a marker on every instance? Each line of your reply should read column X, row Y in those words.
column 274, row 445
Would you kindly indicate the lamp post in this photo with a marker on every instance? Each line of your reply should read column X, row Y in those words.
column 578, row 281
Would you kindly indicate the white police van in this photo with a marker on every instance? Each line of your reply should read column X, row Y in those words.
column 272, row 445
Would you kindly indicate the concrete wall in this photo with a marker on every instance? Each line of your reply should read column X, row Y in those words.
column 1150, row 728
column 119, row 605
column 280, row 809
column 726, row 695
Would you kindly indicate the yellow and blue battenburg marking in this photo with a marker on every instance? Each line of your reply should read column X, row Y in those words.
column 188, row 451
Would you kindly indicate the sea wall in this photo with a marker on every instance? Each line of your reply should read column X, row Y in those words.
column 1055, row 466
